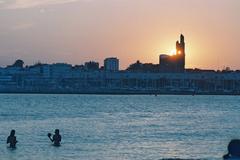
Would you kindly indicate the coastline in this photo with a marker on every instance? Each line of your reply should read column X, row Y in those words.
column 121, row 93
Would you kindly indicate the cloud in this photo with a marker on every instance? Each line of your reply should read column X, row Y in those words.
column 22, row 4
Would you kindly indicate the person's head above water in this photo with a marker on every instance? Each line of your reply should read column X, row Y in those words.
column 12, row 132
column 234, row 147
column 56, row 131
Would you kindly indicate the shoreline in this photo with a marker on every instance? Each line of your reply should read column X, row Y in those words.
column 125, row 93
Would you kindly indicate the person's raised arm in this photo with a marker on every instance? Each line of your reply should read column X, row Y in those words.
column 49, row 136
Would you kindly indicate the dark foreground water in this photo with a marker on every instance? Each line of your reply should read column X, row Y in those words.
column 100, row 127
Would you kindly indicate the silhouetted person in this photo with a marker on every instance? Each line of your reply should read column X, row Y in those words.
column 233, row 150
column 56, row 139
column 12, row 139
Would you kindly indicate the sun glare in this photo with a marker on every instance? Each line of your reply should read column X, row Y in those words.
column 173, row 52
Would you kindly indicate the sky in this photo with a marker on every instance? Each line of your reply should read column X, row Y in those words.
column 76, row 31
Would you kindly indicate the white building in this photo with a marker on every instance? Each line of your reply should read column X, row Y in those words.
column 111, row 64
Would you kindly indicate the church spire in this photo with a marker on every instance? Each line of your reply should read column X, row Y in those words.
column 182, row 39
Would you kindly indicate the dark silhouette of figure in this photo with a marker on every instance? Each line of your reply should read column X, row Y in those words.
column 233, row 150
column 56, row 139
column 12, row 139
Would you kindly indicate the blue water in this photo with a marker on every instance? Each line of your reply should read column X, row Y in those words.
column 102, row 127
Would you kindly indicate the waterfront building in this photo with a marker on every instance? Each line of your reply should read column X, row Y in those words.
column 91, row 66
column 143, row 67
column 176, row 62
column 18, row 63
column 111, row 64
column 62, row 78
column 59, row 69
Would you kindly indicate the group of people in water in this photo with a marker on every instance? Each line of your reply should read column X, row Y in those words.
column 55, row 139
column 233, row 146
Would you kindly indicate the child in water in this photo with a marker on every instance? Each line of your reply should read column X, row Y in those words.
column 12, row 139
column 56, row 139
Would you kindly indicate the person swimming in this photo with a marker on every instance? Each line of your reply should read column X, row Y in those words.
column 12, row 139
column 56, row 139
column 233, row 150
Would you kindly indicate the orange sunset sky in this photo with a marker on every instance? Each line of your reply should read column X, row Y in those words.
column 75, row 31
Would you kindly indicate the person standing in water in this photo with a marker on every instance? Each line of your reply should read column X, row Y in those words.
column 12, row 139
column 56, row 138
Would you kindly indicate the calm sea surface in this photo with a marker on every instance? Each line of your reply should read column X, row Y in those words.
column 101, row 127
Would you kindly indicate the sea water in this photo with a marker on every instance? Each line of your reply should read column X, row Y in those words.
column 118, row 127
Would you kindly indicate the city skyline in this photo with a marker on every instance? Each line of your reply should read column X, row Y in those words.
column 76, row 31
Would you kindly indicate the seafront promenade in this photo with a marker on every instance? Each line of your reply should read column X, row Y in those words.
column 65, row 79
